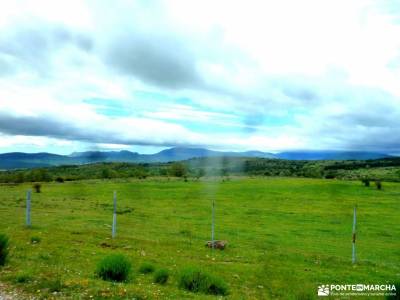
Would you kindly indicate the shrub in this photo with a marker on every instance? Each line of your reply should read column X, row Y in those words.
column 161, row 276
column 146, row 268
column 378, row 184
column 304, row 296
column 51, row 282
column 195, row 280
column 178, row 169
column 60, row 179
column 44, row 256
column 23, row 278
column 37, row 187
column 365, row 181
column 330, row 175
column 115, row 267
column 35, row 239
column 3, row 249
column 397, row 292
column 55, row 285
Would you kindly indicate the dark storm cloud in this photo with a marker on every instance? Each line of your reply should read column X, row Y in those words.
column 373, row 125
column 39, row 126
column 368, row 119
column 33, row 43
column 157, row 60
column 47, row 126
column 364, row 138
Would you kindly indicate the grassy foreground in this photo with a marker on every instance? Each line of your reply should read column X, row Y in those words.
column 286, row 236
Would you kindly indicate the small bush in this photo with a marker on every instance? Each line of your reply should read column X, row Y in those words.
column 161, row 276
column 304, row 296
column 51, row 282
column 378, row 184
column 60, row 179
column 330, row 176
column 37, row 187
column 23, row 278
column 35, row 239
column 3, row 249
column 44, row 256
column 365, row 181
column 115, row 267
column 55, row 285
column 195, row 280
column 397, row 292
column 146, row 268
column 124, row 211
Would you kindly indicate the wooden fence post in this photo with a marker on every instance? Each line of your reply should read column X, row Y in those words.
column 28, row 208
column 114, row 224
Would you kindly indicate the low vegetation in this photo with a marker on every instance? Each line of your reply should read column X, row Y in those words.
column 115, row 267
column 35, row 239
column 3, row 249
column 286, row 235
column 23, row 278
column 366, row 182
column 161, row 276
column 198, row 281
column 146, row 268
column 37, row 187
column 378, row 184
column 397, row 296
column 386, row 169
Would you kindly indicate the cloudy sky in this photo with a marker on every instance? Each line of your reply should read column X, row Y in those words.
column 237, row 75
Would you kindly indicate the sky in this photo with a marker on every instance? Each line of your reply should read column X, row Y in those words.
column 226, row 75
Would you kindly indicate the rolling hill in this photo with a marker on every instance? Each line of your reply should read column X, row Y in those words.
column 15, row 160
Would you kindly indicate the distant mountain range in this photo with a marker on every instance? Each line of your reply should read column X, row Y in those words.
column 16, row 160
column 331, row 155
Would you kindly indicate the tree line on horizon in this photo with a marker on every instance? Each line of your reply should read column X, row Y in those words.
column 383, row 169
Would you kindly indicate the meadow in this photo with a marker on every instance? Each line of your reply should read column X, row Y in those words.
column 286, row 235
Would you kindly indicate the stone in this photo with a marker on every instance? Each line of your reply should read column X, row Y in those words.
column 217, row 244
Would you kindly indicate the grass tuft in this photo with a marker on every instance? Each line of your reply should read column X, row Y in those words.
column 51, row 283
column 23, row 278
column 378, row 184
column 396, row 293
column 365, row 181
column 161, row 276
column 37, row 187
column 4, row 242
column 146, row 268
column 35, row 240
column 115, row 267
column 196, row 280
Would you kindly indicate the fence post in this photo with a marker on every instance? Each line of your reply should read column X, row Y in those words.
column 213, row 223
column 353, row 259
column 28, row 208
column 114, row 224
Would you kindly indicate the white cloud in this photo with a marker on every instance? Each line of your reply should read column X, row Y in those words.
column 310, row 74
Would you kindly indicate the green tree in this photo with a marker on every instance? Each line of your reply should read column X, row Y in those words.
column 38, row 175
column 200, row 173
column 107, row 173
column 19, row 177
column 178, row 170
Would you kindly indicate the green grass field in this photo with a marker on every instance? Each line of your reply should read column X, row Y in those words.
column 286, row 236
